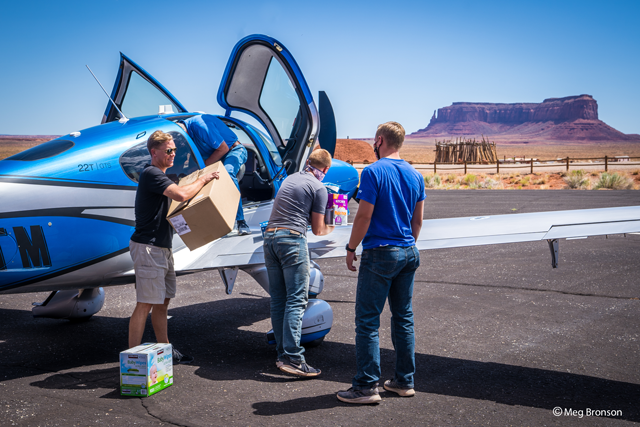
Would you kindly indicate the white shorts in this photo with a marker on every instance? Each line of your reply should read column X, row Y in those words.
column 155, row 276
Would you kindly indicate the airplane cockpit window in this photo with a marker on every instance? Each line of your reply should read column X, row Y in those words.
column 134, row 159
column 279, row 100
column 142, row 98
column 43, row 151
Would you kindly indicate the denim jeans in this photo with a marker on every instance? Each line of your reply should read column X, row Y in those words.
column 232, row 162
column 286, row 257
column 385, row 272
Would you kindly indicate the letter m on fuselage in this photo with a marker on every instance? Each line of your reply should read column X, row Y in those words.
column 33, row 250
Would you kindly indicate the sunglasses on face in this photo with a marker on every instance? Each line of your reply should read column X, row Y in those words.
column 171, row 151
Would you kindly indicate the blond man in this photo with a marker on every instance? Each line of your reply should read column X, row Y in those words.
column 150, row 244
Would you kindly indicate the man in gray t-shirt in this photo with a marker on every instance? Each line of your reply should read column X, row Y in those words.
column 301, row 201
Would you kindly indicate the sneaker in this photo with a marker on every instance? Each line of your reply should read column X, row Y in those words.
column 402, row 390
column 300, row 369
column 279, row 363
column 367, row 395
column 243, row 228
column 181, row 359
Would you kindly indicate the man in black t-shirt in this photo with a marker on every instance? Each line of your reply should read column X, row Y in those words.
column 150, row 244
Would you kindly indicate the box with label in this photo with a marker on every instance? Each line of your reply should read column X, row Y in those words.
column 337, row 209
column 210, row 214
column 146, row 369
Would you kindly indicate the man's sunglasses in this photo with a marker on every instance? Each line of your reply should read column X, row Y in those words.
column 170, row 151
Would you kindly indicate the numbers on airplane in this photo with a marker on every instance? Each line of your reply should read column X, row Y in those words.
column 89, row 167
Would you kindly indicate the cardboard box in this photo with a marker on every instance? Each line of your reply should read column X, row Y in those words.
column 210, row 214
column 146, row 369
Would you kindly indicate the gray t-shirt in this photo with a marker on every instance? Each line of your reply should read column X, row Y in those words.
column 299, row 195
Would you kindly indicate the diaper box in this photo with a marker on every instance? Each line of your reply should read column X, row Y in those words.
column 146, row 369
column 337, row 209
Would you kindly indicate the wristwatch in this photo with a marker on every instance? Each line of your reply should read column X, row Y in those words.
column 348, row 248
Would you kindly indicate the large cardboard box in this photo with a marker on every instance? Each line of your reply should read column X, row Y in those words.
column 146, row 369
column 210, row 214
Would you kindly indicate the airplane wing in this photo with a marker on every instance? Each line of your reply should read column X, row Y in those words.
column 232, row 251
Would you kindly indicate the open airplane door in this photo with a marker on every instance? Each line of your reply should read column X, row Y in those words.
column 264, row 81
column 137, row 93
column 328, row 133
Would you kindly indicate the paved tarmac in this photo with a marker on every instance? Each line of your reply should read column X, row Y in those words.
column 501, row 339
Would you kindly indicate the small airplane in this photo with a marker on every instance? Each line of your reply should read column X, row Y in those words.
column 68, row 204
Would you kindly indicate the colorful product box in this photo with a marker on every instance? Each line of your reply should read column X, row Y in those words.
column 337, row 209
column 146, row 369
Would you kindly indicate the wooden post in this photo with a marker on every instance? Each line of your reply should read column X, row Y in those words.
column 567, row 162
column 532, row 165
column 498, row 166
column 434, row 167
column 606, row 164
column 465, row 167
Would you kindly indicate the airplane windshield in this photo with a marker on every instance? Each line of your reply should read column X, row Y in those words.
column 279, row 100
column 134, row 159
column 142, row 98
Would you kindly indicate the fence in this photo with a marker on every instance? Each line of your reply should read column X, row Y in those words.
column 534, row 164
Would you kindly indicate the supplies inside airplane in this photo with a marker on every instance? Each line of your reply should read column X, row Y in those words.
column 210, row 214
column 146, row 369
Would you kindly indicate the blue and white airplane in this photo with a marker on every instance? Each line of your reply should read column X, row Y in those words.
column 67, row 209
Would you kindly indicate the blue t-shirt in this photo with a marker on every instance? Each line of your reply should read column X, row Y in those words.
column 394, row 187
column 208, row 132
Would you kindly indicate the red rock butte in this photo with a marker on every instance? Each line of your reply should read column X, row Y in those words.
column 573, row 118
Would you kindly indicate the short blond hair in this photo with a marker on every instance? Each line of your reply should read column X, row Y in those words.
column 320, row 159
column 157, row 139
column 393, row 133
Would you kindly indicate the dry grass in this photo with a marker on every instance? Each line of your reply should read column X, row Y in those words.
column 536, row 181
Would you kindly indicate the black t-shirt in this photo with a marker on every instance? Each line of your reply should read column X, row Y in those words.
column 152, row 226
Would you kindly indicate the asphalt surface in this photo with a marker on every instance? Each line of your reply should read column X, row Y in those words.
column 501, row 339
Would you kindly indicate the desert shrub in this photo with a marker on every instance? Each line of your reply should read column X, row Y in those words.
column 432, row 181
column 613, row 181
column 488, row 183
column 576, row 179
column 525, row 180
column 469, row 179
column 542, row 180
column 636, row 172
column 451, row 178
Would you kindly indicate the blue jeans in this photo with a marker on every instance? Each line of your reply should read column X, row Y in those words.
column 232, row 162
column 385, row 272
column 286, row 257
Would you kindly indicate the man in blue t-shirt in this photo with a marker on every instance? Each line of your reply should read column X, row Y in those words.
column 216, row 142
column 389, row 220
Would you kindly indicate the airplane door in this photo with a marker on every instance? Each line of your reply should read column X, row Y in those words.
column 263, row 80
column 137, row 93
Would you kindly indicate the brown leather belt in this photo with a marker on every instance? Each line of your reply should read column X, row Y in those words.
column 283, row 228
column 234, row 145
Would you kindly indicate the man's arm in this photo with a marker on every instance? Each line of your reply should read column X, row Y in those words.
column 318, row 227
column 217, row 154
column 416, row 220
column 181, row 194
column 359, row 230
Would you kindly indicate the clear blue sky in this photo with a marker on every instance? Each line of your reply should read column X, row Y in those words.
column 378, row 60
